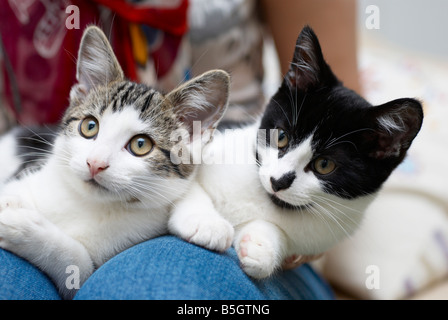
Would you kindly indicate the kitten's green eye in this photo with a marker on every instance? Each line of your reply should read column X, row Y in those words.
column 324, row 166
column 140, row 145
column 89, row 127
column 281, row 138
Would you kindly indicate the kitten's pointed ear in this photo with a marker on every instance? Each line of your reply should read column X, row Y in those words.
column 308, row 68
column 202, row 101
column 97, row 64
column 396, row 124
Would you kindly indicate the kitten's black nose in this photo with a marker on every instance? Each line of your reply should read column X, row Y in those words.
column 284, row 182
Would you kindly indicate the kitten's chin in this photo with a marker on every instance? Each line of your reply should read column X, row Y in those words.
column 286, row 205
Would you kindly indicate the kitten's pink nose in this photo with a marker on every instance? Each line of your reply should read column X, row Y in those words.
column 96, row 166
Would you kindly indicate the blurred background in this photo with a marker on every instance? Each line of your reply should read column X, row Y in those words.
column 405, row 234
column 417, row 25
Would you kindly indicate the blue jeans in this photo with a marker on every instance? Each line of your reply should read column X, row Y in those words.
column 165, row 268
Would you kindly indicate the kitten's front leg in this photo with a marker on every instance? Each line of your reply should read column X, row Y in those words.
column 28, row 234
column 261, row 248
column 196, row 220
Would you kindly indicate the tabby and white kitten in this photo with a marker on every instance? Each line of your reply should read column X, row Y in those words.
column 109, row 182
column 322, row 155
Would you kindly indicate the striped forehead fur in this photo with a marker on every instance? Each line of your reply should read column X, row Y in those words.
column 153, row 108
column 117, row 96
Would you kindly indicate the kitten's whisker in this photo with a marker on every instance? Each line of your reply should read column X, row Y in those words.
column 281, row 108
column 147, row 185
column 341, row 212
column 294, row 106
column 40, row 135
column 45, row 142
column 339, row 204
column 300, row 109
column 150, row 188
column 319, row 209
column 323, row 217
column 150, row 191
column 334, row 218
column 37, row 149
column 334, row 140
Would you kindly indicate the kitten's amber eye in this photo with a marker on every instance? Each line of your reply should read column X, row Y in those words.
column 89, row 127
column 324, row 166
column 140, row 145
column 281, row 138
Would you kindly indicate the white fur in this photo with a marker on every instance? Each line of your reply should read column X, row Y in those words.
column 391, row 122
column 197, row 221
column 266, row 234
column 54, row 219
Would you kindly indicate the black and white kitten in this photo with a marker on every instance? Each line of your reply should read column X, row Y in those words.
column 314, row 162
column 108, row 182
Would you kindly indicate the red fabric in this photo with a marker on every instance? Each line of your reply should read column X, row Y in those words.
column 40, row 52
column 173, row 21
column 170, row 20
column 121, row 43
column 42, row 57
column 165, row 54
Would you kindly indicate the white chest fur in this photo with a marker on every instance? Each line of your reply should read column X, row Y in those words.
column 238, row 195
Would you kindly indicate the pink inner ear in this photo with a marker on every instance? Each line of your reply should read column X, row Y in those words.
column 207, row 117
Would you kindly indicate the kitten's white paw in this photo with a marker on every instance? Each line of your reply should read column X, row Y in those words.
column 18, row 226
column 213, row 233
column 257, row 256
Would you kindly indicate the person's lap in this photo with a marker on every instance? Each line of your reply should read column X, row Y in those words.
column 165, row 268
column 19, row 280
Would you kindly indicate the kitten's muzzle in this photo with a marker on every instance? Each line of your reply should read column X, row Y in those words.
column 286, row 205
column 96, row 166
column 284, row 182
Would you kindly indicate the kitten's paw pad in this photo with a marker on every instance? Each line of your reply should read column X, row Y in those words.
column 213, row 234
column 257, row 256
